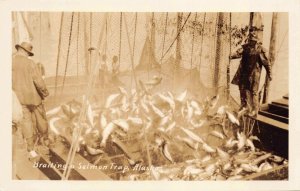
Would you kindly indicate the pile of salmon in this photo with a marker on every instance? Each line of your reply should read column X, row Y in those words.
column 163, row 136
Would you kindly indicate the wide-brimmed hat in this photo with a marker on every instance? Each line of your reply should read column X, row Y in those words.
column 27, row 46
column 253, row 37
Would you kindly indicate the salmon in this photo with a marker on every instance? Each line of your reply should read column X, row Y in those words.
column 192, row 135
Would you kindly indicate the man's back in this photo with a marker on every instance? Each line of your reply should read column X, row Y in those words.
column 23, row 77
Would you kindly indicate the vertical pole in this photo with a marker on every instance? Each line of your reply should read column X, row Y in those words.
column 15, row 28
column 218, row 51
column 228, row 66
column 178, row 45
column 86, row 46
column 272, row 53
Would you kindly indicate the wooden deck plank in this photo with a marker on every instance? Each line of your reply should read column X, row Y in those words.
column 88, row 174
column 284, row 102
column 272, row 122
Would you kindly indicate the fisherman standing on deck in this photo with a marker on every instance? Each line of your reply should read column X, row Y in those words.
column 115, row 69
column 31, row 90
column 103, row 72
column 253, row 57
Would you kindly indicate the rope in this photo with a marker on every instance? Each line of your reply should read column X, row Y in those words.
column 120, row 43
column 58, row 54
column 164, row 39
column 202, row 35
column 131, row 53
column 75, row 141
column 176, row 36
column 150, row 51
column 77, row 43
column 228, row 66
column 133, row 49
column 193, row 39
column 69, row 45
column 91, row 38
column 40, row 36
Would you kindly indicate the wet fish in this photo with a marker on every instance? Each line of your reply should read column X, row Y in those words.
column 192, row 135
column 232, row 118
column 206, row 158
column 90, row 115
column 171, row 126
column 222, row 154
column 249, row 168
column 106, row 133
column 93, row 151
column 53, row 111
column 164, row 120
column 156, row 110
column 196, row 105
column 250, row 144
column 197, row 125
column 192, row 170
column 135, row 120
column 103, row 121
column 190, row 112
column 210, row 169
column 122, row 91
column 122, row 123
column 52, row 126
column 236, row 177
column 155, row 173
column 166, row 152
column 208, row 148
column 181, row 96
column 264, row 166
column 189, row 142
column 230, row 142
column 241, row 140
column 226, row 166
column 169, row 100
column 222, row 110
column 145, row 107
column 110, row 100
column 217, row 134
column 154, row 81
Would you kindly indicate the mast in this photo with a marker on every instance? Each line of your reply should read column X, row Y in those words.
column 218, row 51
column 86, row 46
column 272, row 53
column 178, row 44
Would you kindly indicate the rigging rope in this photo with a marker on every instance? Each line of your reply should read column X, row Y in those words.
column 77, row 44
column 131, row 53
column 120, row 43
column 79, row 127
column 68, row 53
column 176, row 36
column 58, row 54
column 202, row 35
column 150, row 49
column 193, row 39
column 40, row 36
column 133, row 48
column 228, row 66
column 163, row 45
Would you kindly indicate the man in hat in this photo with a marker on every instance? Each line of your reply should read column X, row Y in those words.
column 30, row 89
column 253, row 57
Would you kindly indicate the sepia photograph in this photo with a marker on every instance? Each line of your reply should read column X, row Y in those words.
column 135, row 96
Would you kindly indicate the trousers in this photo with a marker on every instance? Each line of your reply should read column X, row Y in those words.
column 249, row 99
column 34, row 123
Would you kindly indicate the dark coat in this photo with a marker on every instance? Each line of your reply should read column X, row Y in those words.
column 248, row 73
column 27, row 81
